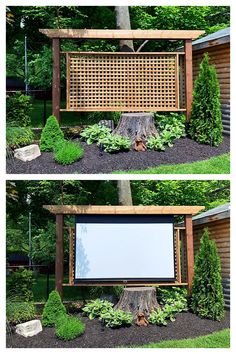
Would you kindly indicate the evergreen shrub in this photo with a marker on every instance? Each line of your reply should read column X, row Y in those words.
column 67, row 152
column 17, row 312
column 18, row 136
column 205, row 123
column 68, row 327
column 51, row 134
column 53, row 309
column 18, row 108
column 20, row 284
column 207, row 292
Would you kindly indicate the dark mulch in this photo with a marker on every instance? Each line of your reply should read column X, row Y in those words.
column 186, row 325
column 184, row 150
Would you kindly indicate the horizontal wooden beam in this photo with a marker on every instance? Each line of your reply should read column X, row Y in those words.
column 122, row 109
column 120, row 210
column 126, row 284
column 121, row 34
column 123, row 53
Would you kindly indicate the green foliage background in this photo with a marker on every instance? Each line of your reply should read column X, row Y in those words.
column 25, row 196
column 208, row 18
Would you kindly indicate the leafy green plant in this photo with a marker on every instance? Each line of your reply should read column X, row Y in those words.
column 167, row 138
column 171, row 121
column 169, row 311
column 69, row 327
column 205, row 121
column 67, row 152
column 114, row 143
column 94, row 132
column 18, row 108
column 17, row 312
column 158, row 317
column 18, row 136
column 53, row 309
column 117, row 318
column 96, row 308
column 174, row 296
column 155, row 143
column 207, row 293
column 21, row 283
column 51, row 134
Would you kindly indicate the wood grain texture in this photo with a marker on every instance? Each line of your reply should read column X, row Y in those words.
column 59, row 254
column 118, row 209
column 121, row 34
column 189, row 251
column 188, row 78
column 56, row 89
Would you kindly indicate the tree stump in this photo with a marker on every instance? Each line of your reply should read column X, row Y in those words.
column 138, row 299
column 136, row 125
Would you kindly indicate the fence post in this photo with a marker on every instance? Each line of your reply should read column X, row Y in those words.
column 56, row 90
column 59, row 254
column 190, row 251
column 188, row 77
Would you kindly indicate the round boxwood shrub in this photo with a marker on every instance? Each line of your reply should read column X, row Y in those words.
column 17, row 311
column 207, row 293
column 53, row 309
column 67, row 152
column 51, row 134
column 69, row 327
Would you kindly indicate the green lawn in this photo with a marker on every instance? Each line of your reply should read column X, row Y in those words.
column 219, row 339
column 215, row 165
column 67, row 118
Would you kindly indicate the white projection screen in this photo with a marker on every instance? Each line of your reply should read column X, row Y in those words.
column 124, row 248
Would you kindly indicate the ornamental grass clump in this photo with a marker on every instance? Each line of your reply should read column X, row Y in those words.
column 51, row 135
column 53, row 309
column 207, row 292
column 67, row 152
column 206, row 123
column 69, row 327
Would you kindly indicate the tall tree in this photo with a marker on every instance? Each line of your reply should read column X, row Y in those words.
column 124, row 192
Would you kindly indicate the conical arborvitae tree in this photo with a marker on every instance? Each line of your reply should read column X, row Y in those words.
column 205, row 121
column 51, row 134
column 52, row 309
column 207, row 293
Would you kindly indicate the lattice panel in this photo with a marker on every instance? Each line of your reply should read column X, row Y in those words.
column 122, row 82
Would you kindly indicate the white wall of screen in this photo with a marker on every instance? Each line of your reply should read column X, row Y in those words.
column 124, row 251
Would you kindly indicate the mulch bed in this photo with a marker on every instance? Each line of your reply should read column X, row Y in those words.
column 184, row 150
column 186, row 325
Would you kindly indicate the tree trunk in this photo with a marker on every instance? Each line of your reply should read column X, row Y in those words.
column 124, row 192
column 138, row 300
column 136, row 125
column 123, row 22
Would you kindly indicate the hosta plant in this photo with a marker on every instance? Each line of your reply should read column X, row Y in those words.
column 158, row 317
column 114, row 143
column 117, row 318
column 96, row 308
column 167, row 138
column 94, row 132
column 155, row 143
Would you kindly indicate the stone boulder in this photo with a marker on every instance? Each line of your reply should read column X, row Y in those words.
column 27, row 153
column 29, row 329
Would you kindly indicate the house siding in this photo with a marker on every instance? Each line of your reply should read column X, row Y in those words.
column 220, row 57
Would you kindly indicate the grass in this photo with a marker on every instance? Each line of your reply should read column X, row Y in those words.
column 215, row 165
column 219, row 339
column 70, row 293
column 67, row 118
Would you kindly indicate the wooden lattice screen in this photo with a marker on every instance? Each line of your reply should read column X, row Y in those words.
column 123, row 81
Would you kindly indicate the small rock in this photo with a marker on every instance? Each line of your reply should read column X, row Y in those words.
column 29, row 329
column 27, row 153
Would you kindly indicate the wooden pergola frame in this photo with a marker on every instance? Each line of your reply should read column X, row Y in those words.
column 57, row 34
column 186, row 211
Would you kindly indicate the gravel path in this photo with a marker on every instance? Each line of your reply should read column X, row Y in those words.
column 184, row 150
column 186, row 325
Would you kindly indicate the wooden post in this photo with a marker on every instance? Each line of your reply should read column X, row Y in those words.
column 56, row 89
column 59, row 254
column 189, row 251
column 188, row 77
